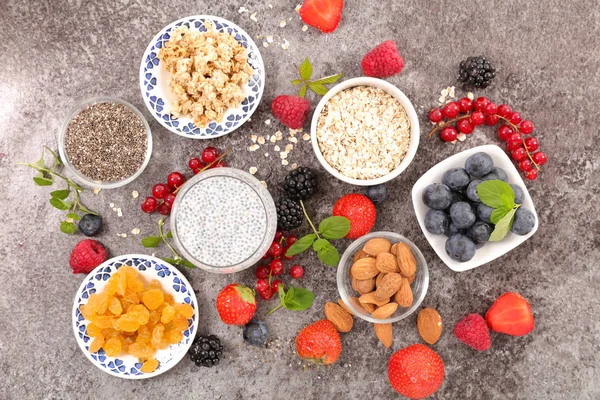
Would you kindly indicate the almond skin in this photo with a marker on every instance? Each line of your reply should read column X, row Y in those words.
column 406, row 261
column 345, row 307
column 384, row 334
column 377, row 245
column 363, row 286
column 364, row 269
column 388, row 286
column 385, row 311
column 429, row 324
column 386, row 262
column 411, row 278
column 394, row 248
column 404, row 296
column 379, row 278
column 369, row 307
column 339, row 318
column 370, row 299
column 359, row 254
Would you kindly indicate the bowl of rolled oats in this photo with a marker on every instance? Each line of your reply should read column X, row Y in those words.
column 202, row 77
column 365, row 131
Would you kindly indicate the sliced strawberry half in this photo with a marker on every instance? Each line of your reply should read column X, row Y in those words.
column 510, row 314
column 324, row 15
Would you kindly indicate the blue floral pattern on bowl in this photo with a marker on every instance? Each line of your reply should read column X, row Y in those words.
column 151, row 268
column 155, row 90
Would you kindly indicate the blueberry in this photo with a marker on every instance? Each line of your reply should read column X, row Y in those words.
column 90, row 224
column 480, row 232
column 377, row 193
column 484, row 213
column 456, row 197
column 523, row 222
column 496, row 173
column 256, row 333
column 479, row 164
column 452, row 230
column 456, row 179
column 479, row 245
column 460, row 248
column 436, row 222
column 519, row 195
column 437, row 196
column 472, row 191
column 462, row 215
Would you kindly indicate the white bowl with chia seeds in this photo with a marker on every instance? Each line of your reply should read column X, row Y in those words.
column 105, row 143
column 365, row 131
column 223, row 220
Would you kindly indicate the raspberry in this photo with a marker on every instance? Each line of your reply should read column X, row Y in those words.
column 292, row 111
column 86, row 256
column 473, row 331
column 383, row 61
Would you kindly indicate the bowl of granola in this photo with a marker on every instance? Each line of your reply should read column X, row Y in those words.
column 365, row 131
column 202, row 77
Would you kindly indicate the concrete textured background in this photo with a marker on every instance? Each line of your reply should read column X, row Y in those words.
column 55, row 53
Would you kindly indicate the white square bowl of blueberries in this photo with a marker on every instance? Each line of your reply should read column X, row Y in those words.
column 456, row 222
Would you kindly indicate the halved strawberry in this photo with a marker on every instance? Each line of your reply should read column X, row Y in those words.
column 510, row 314
column 324, row 15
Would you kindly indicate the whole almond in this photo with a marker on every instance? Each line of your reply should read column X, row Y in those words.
column 406, row 261
column 363, row 286
column 339, row 317
column 388, row 286
column 377, row 245
column 404, row 296
column 394, row 248
column 345, row 307
column 379, row 278
column 429, row 323
column 369, row 307
column 364, row 269
column 385, row 311
column 384, row 334
column 369, row 298
column 386, row 262
column 360, row 254
column 411, row 278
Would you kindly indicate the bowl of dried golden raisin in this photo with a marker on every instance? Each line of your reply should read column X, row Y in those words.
column 135, row 316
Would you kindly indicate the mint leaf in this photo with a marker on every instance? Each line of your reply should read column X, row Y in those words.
column 301, row 245
column 296, row 299
column 41, row 163
column 498, row 214
column 179, row 261
column 318, row 88
column 68, row 227
column 60, row 204
column 296, row 81
column 302, row 91
column 169, row 235
column 73, row 216
column 329, row 255
column 329, row 79
column 151, row 241
column 60, row 194
column 305, row 69
column 41, row 181
column 496, row 194
column 503, row 226
column 334, row 227
column 319, row 244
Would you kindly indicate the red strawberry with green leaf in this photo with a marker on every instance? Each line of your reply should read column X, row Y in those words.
column 325, row 15
column 510, row 314
column 416, row 371
column 236, row 304
column 359, row 210
column 319, row 343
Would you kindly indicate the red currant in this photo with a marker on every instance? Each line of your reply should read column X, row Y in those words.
column 539, row 158
column 220, row 164
column 262, row 272
column 164, row 208
column 465, row 126
column 480, row 103
column 266, row 295
column 515, row 118
column 525, row 165
column 297, row 272
column 448, row 134
column 275, row 285
column 532, row 174
column 532, row 144
column 526, row 127
column 278, row 236
column 465, row 104
column 451, row 110
column 504, row 132
column 262, row 285
column 160, row 190
column 170, row 199
column 491, row 120
column 209, row 155
column 504, row 110
column 515, row 139
column 490, row 109
column 195, row 164
column 175, row 179
column 519, row 154
column 290, row 240
column 197, row 171
column 149, row 204
column 276, row 267
column 436, row 115
column 276, row 249
column 477, row 118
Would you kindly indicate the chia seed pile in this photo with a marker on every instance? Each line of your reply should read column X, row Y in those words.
column 106, row 142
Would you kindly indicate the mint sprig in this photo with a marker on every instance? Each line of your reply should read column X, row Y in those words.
column 318, row 85
column 295, row 299
column 155, row 241
column 501, row 197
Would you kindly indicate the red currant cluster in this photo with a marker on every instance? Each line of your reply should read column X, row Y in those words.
column 468, row 114
column 163, row 195
column 265, row 288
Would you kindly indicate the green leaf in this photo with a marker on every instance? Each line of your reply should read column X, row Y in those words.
column 301, row 245
column 60, row 204
column 83, row 209
column 498, row 214
column 329, row 79
column 503, row 226
column 151, row 241
column 318, row 88
column 305, row 69
column 57, row 161
column 60, row 194
column 41, row 181
column 296, row 299
column 302, row 91
column 319, row 244
column 496, row 194
column 329, row 255
column 68, row 227
column 41, row 163
column 179, row 261
column 73, row 216
column 334, row 227
column 297, row 81
column 169, row 235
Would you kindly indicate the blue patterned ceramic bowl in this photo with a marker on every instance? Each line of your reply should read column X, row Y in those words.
column 157, row 95
column 172, row 281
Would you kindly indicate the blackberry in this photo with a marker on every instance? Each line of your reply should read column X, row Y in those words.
column 289, row 214
column 477, row 72
column 206, row 351
column 300, row 183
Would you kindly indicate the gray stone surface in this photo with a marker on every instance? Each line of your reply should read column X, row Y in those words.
column 55, row 53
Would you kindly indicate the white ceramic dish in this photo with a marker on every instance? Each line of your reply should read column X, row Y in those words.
column 394, row 92
column 491, row 250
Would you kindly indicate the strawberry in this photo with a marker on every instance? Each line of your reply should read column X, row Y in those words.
column 236, row 304
column 86, row 256
column 359, row 210
column 510, row 314
column 325, row 15
column 416, row 371
column 319, row 343
column 473, row 331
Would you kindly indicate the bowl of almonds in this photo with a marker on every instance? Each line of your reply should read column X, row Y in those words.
column 382, row 277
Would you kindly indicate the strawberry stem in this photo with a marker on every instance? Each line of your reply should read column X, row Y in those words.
column 273, row 310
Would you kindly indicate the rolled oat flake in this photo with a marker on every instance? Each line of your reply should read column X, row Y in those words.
column 106, row 142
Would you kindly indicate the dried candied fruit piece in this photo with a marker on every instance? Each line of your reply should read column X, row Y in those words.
column 149, row 366
column 121, row 283
column 101, row 303
column 93, row 330
column 155, row 317
column 111, row 286
column 131, row 297
column 135, row 284
column 127, row 323
column 97, row 343
column 168, row 313
column 140, row 313
column 164, row 344
column 140, row 350
column 115, row 306
column 169, row 299
column 173, row 336
column 87, row 311
column 185, row 310
column 103, row 321
column 155, row 284
column 128, row 271
column 153, row 298
column 180, row 323
column 113, row 347
column 157, row 334
column 144, row 334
